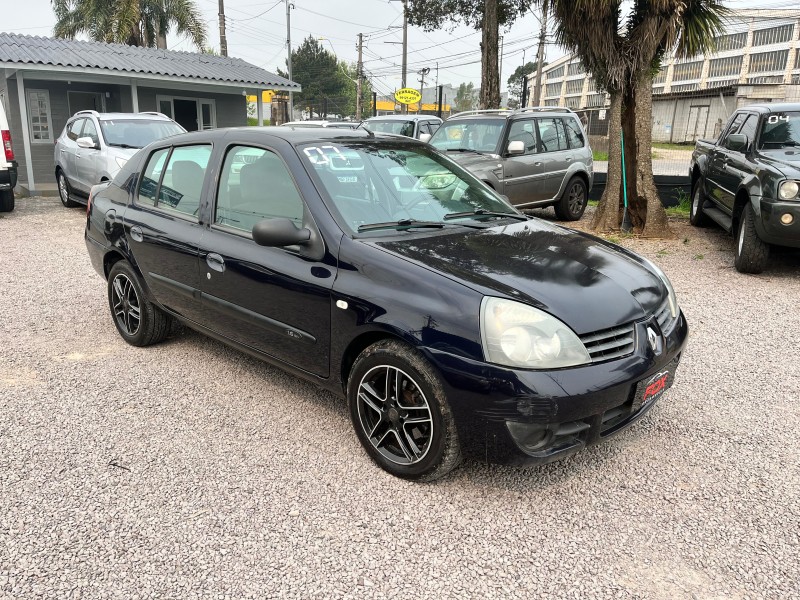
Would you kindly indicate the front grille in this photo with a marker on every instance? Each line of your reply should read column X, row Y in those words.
column 664, row 317
column 610, row 343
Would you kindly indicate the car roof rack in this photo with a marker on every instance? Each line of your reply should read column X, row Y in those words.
column 154, row 113
column 88, row 112
column 543, row 109
column 484, row 111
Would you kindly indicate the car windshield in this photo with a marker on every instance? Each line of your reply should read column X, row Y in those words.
column 481, row 135
column 780, row 130
column 399, row 185
column 397, row 127
column 137, row 133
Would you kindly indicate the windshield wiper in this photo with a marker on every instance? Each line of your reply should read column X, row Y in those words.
column 125, row 146
column 485, row 213
column 413, row 223
column 465, row 150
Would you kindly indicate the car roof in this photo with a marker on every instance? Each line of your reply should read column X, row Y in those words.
column 293, row 135
column 110, row 116
column 772, row 107
column 404, row 118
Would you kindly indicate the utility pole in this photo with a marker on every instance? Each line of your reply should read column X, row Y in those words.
column 537, row 90
column 500, row 67
column 223, row 41
column 289, row 55
column 360, row 75
column 405, row 50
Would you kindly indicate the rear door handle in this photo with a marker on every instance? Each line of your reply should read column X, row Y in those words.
column 216, row 262
column 569, row 158
column 136, row 234
column 537, row 164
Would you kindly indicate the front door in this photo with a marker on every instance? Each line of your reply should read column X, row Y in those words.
column 87, row 159
column 523, row 174
column 273, row 300
column 720, row 182
column 163, row 227
column 192, row 114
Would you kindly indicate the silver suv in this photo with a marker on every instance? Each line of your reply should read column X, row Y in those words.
column 536, row 156
column 94, row 146
column 421, row 127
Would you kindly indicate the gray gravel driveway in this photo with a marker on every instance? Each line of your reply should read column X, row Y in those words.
column 188, row 470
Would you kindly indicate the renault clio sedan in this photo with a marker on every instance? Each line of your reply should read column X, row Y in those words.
column 381, row 270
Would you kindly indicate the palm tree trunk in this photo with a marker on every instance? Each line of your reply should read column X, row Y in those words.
column 161, row 41
column 490, row 78
column 606, row 218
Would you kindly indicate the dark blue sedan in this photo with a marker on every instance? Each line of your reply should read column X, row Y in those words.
column 381, row 270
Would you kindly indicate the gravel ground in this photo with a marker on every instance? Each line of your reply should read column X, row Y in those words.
column 188, row 470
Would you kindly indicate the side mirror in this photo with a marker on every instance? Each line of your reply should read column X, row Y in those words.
column 279, row 232
column 737, row 142
column 86, row 142
column 516, row 147
column 424, row 137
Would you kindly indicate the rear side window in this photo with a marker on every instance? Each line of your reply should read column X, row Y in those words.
column 552, row 135
column 174, row 181
column 74, row 129
column 574, row 133
column 255, row 184
column 750, row 127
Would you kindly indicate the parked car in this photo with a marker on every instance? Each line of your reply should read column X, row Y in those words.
column 748, row 182
column 380, row 270
column 94, row 146
column 535, row 156
column 8, row 166
column 420, row 127
column 323, row 123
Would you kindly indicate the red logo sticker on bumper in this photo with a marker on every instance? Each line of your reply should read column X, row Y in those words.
column 655, row 386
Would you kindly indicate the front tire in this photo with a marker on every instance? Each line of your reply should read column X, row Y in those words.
column 6, row 200
column 138, row 321
column 752, row 253
column 573, row 200
column 64, row 189
column 400, row 414
column 696, row 215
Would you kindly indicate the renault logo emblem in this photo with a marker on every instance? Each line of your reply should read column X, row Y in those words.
column 652, row 338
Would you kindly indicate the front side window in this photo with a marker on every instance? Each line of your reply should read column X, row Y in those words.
column 392, row 185
column 174, row 182
column 734, row 127
column 749, row 128
column 255, row 184
column 481, row 135
column 551, row 135
column 137, row 133
column 90, row 131
column 522, row 131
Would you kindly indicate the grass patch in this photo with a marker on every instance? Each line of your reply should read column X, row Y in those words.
column 683, row 208
column 699, row 256
column 253, row 121
column 665, row 146
column 599, row 155
column 592, row 203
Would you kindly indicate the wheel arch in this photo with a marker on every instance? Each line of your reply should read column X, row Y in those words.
column 111, row 258
column 357, row 345
column 741, row 200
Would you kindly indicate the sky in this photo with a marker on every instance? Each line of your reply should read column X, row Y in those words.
column 256, row 32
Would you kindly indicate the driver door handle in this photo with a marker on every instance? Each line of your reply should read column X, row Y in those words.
column 216, row 262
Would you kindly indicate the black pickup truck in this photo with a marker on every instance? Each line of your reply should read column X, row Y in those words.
column 748, row 181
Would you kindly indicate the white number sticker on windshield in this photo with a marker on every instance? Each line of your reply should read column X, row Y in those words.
column 776, row 118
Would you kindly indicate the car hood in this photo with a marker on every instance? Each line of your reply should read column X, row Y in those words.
column 786, row 161
column 474, row 162
column 125, row 153
column 588, row 284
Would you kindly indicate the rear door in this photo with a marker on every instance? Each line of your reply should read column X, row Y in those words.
column 556, row 154
column 273, row 300
column 163, row 227
column 524, row 176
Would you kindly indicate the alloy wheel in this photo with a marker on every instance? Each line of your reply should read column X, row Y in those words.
column 696, row 201
column 62, row 188
column 395, row 415
column 577, row 198
column 126, row 306
column 741, row 233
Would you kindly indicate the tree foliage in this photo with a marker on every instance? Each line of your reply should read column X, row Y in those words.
column 623, row 53
column 132, row 22
column 465, row 97
column 516, row 80
column 487, row 16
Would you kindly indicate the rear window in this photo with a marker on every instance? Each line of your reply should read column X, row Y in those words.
column 405, row 128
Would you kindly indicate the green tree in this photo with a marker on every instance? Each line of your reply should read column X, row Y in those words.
column 465, row 97
column 486, row 15
column 624, row 52
column 132, row 22
column 517, row 80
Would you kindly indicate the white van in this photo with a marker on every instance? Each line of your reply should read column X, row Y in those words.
column 8, row 166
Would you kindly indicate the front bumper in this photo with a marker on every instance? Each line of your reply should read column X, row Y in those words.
column 562, row 411
column 8, row 176
column 769, row 226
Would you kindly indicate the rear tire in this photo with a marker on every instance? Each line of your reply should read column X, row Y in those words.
column 6, row 200
column 696, row 215
column 138, row 321
column 573, row 201
column 399, row 411
column 64, row 190
column 752, row 253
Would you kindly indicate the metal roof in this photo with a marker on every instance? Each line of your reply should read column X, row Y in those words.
column 126, row 61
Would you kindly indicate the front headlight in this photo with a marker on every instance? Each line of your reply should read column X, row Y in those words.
column 787, row 190
column 517, row 335
column 121, row 161
column 671, row 297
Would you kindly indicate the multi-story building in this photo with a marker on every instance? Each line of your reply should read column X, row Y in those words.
column 756, row 60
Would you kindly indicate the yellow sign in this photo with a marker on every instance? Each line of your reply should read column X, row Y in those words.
column 407, row 96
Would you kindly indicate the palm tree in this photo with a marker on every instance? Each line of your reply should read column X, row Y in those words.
column 132, row 22
column 624, row 53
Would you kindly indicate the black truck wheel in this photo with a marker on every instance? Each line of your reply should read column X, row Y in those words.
column 752, row 253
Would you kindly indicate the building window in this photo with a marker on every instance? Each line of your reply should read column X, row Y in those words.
column 595, row 100
column 552, row 89
column 685, row 71
column 686, row 87
column 796, row 79
column 574, row 102
column 575, row 69
column 773, row 35
column 759, row 79
column 721, row 67
column 658, row 89
column 763, row 62
column 575, row 86
column 734, row 41
column 721, row 83
column 39, row 119
column 553, row 102
column 556, row 73
column 797, row 59
column 661, row 77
